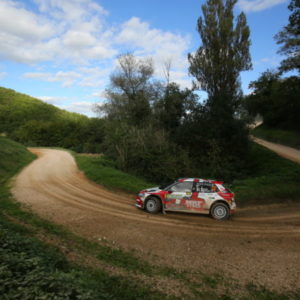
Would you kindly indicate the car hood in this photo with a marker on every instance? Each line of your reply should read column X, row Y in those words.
column 152, row 190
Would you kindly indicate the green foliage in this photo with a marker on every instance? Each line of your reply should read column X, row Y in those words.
column 146, row 151
column 276, row 100
column 289, row 37
column 224, row 52
column 259, row 292
column 21, row 157
column 216, row 65
column 173, row 107
column 128, row 98
column 29, row 270
column 270, row 179
column 266, row 178
column 284, row 137
column 35, row 123
column 104, row 172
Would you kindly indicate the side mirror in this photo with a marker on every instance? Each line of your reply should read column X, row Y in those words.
column 170, row 192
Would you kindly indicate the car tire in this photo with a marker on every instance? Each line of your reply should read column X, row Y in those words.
column 220, row 211
column 153, row 205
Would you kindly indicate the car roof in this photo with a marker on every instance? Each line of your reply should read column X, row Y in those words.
column 200, row 180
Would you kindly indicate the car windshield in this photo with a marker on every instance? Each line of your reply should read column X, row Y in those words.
column 166, row 186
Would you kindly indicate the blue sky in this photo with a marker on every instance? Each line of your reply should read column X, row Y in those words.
column 63, row 51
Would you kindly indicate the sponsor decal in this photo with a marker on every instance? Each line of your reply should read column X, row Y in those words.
column 193, row 204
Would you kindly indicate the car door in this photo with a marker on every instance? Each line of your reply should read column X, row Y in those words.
column 177, row 195
column 207, row 192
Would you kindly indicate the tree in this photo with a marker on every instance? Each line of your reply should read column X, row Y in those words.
column 289, row 37
column 276, row 100
column 224, row 53
column 173, row 106
column 130, row 92
column 216, row 65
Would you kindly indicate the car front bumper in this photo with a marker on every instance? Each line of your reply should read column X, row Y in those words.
column 139, row 202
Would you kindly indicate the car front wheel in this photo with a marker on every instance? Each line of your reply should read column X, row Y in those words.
column 153, row 205
column 220, row 211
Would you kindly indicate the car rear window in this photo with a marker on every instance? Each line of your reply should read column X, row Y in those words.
column 206, row 187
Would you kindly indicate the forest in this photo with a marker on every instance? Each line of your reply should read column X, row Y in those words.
column 160, row 131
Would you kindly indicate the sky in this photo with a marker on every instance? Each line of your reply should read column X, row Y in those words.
column 63, row 51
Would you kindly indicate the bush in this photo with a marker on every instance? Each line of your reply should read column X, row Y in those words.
column 29, row 270
column 146, row 152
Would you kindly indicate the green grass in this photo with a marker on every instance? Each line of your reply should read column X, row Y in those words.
column 103, row 171
column 19, row 158
column 272, row 179
column 31, row 269
column 284, row 137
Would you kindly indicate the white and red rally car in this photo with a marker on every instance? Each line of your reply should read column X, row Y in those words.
column 191, row 195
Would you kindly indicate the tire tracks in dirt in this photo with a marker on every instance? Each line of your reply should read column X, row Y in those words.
column 253, row 240
column 284, row 151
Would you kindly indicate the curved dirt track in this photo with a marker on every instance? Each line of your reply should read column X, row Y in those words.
column 284, row 151
column 260, row 244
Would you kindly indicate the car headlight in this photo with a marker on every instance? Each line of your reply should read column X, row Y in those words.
column 141, row 194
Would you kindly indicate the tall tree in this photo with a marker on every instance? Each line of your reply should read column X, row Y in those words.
column 289, row 37
column 173, row 106
column 224, row 53
column 216, row 65
column 130, row 91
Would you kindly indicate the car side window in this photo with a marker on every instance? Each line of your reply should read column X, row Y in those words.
column 206, row 187
column 182, row 187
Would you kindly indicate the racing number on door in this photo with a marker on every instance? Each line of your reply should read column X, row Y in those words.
column 182, row 197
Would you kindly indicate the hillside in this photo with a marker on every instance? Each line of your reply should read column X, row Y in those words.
column 35, row 123
column 123, row 253
column 34, row 260
column 285, row 137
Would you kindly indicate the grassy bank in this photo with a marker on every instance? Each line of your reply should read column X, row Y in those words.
column 284, row 137
column 270, row 178
column 42, row 260
column 33, row 269
column 13, row 157
column 103, row 171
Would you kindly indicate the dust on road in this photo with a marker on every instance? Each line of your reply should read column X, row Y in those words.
column 284, row 151
column 260, row 245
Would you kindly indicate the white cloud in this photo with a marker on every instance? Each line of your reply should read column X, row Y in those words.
column 151, row 41
column 70, row 10
column 95, row 76
column 270, row 62
column 83, row 76
column 100, row 94
column 160, row 45
column 66, row 78
column 258, row 5
column 52, row 100
column 80, row 107
column 19, row 22
column 73, row 34
column 69, row 30
column 2, row 75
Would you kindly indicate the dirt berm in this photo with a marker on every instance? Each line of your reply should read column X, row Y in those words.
column 259, row 244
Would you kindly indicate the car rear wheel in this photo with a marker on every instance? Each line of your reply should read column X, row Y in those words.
column 220, row 211
column 153, row 205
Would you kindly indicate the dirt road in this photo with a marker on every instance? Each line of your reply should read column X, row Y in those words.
column 260, row 245
column 284, row 151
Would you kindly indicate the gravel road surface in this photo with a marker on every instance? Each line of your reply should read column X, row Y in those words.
column 259, row 244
